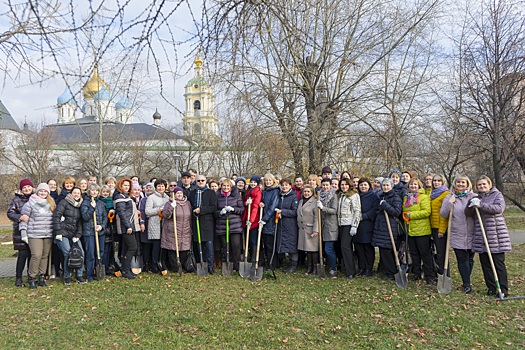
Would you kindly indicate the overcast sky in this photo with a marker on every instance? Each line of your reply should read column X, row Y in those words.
column 37, row 102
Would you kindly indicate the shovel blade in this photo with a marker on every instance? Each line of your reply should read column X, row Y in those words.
column 401, row 279
column 320, row 271
column 202, row 270
column 444, row 284
column 245, row 269
column 227, row 269
column 101, row 272
column 257, row 273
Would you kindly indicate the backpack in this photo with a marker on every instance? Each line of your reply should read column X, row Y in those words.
column 76, row 257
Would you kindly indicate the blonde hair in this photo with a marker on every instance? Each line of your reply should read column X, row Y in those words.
column 486, row 178
column 314, row 177
column 461, row 177
column 416, row 180
column 271, row 177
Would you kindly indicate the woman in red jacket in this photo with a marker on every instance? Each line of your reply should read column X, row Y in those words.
column 253, row 196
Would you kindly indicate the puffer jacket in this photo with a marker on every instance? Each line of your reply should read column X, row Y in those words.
column 270, row 198
column 256, row 196
column 234, row 200
column 392, row 206
column 491, row 211
column 40, row 224
column 154, row 204
column 369, row 209
column 419, row 223
column 87, row 211
column 67, row 220
column 14, row 213
column 183, row 215
column 287, row 226
column 127, row 213
column 436, row 220
column 349, row 210
column 462, row 227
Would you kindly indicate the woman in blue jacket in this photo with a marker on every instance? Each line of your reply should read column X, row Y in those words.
column 270, row 199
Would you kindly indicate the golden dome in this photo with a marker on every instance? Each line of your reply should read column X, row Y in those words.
column 93, row 85
column 198, row 61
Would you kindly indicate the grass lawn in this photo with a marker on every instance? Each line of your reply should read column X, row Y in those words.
column 295, row 311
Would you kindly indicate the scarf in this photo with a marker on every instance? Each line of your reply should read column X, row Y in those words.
column 307, row 199
column 198, row 196
column 283, row 194
column 226, row 194
column 326, row 196
column 108, row 202
column 438, row 191
column 412, row 198
column 461, row 193
column 69, row 198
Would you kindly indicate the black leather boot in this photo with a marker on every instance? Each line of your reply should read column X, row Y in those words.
column 41, row 281
column 32, row 283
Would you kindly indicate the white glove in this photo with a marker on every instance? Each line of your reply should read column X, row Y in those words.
column 58, row 238
column 353, row 231
column 320, row 205
column 475, row 202
column 62, row 219
column 262, row 223
column 249, row 201
column 112, row 211
column 223, row 211
column 174, row 204
column 74, row 239
column 24, row 236
column 230, row 209
column 248, row 223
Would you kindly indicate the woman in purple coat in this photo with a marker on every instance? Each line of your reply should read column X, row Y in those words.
column 491, row 205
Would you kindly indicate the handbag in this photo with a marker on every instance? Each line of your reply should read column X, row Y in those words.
column 76, row 257
column 189, row 264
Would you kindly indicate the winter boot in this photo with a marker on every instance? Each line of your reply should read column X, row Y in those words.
column 41, row 281
column 32, row 283
column 310, row 264
column 126, row 268
column 292, row 268
column 19, row 282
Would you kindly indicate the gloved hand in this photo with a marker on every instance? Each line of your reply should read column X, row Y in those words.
column 248, row 223
column 112, row 211
column 475, row 202
column 223, row 211
column 320, row 205
column 262, row 223
column 249, row 201
column 62, row 219
column 353, row 231
column 74, row 239
column 174, row 204
column 58, row 238
column 230, row 209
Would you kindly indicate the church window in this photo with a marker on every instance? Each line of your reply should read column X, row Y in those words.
column 197, row 104
column 197, row 129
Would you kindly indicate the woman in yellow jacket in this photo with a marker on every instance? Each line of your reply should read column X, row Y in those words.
column 416, row 207
column 437, row 222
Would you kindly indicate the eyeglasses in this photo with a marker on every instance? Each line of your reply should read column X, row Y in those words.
column 171, row 185
column 201, row 180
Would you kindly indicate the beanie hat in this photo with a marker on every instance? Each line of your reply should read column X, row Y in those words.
column 396, row 172
column 240, row 178
column 326, row 169
column 379, row 179
column 135, row 185
column 177, row 189
column 149, row 184
column 43, row 186
column 255, row 179
column 25, row 182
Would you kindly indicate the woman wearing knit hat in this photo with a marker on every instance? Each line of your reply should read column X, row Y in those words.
column 242, row 187
column 14, row 214
column 253, row 196
column 38, row 232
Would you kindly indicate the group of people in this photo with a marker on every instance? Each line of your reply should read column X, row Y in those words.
column 345, row 217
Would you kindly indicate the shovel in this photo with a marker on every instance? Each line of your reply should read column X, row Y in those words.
column 444, row 284
column 202, row 270
column 245, row 266
column 99, row 268
column 136, row 261
column 179, row 266
column 501, row 296
column 227, row 268
column 320, row 267
column 257, row 271
column 401, row 275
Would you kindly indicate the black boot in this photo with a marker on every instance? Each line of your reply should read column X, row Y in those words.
column 41, row 281
column 126, row 268
column 310, row 263
column 19, row 282
column 32, row 283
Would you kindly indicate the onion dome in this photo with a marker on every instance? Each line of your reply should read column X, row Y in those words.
column 102, row 95
column 66, row 97
column 93, row 85
column 156, row 115
column 123, row 103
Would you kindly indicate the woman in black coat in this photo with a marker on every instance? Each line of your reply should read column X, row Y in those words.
column 14, row 214
column 287, row 229
column 67, row 225
column 363, row 239
column 128, row 224
column 229, row 207
column 391, row 203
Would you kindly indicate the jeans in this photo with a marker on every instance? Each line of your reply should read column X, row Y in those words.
column 65, row 246
column 90, row 250
column 208, row 253
column 329, row 250
column 465, row 259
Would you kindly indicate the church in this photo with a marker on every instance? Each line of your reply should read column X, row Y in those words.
column 98, row 125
